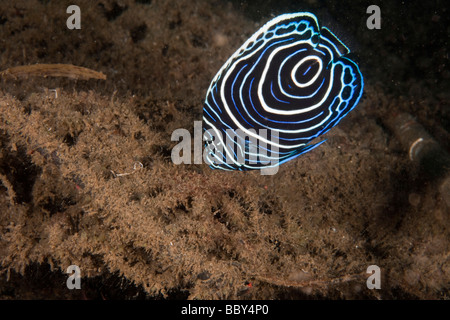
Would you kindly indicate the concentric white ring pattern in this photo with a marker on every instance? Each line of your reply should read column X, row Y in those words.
column 288, row 84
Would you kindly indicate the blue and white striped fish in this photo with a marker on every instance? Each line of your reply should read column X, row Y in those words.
column 285, row 86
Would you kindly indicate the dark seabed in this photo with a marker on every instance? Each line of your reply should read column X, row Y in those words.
column 87, row 179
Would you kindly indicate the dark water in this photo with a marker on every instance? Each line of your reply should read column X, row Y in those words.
column 412, row 43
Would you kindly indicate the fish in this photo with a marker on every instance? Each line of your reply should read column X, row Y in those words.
column 288, row 84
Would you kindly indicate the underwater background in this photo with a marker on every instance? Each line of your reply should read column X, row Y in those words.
column 87, row 178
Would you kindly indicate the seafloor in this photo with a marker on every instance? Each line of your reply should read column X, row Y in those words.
column 70, row 193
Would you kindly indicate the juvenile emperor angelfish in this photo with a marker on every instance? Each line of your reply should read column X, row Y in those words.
column 285, row 86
